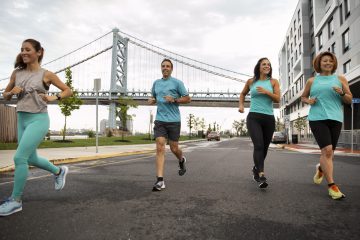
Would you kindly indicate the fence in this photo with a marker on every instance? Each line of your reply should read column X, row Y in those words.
column 345, row 139
column 8, row 124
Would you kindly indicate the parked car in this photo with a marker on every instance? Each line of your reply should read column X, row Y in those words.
column 278, row 137
column 213, row 135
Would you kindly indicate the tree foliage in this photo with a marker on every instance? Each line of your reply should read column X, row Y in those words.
column 67, row 105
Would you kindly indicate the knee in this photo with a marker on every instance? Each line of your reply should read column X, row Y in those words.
column 328, row 152
column 160, row 149
column 174, row 149
column 20, row 160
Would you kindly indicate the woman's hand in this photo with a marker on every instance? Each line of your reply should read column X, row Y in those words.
column 338, row 90
column 47, row 98
column 241, row 109
column 311, row 101
column 262, row 90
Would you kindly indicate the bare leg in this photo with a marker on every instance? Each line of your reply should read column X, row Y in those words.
column 326, row 163
column 160, row 156
column 174, row 147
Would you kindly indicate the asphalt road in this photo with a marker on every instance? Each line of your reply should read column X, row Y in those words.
column 215, row 199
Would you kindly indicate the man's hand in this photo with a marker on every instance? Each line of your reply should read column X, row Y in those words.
column 169, row 99
column 151, row 101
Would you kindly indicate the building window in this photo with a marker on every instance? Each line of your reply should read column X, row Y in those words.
column 331, row 27
column 347, row 8
column 341, row 14
column 345, row 40
column 291, row 34
column 320, row 39
column 311, row 23
column 295, row 41
column 299, row 15
column 289, row 71
column 312, row 40
column 333, row 48
column 299, row 31
column 300, row 50
column 346, row 67
column 287, row 40
column 291, row 48
column 294, row 25
column 292, row 62
column 292, row 90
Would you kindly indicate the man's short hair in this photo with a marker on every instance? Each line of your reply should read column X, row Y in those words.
column 167, row 60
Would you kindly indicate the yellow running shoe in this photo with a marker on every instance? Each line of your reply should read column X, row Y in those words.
column 318, row 177
column 335, row 193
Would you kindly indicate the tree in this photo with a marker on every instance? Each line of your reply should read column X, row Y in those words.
column 67, row 105
column 190, row 122
column 239, row 127
column 279, row 126
column 300, row 124
column 125, row 103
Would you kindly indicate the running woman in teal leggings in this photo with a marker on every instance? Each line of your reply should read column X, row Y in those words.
column 30, row 83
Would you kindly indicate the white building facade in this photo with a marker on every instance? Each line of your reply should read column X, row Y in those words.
column 318, row 26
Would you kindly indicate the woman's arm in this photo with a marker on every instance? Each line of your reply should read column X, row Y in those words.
column 305, row 96
column 11, row 89
column 345, row 93
column 51, row 78
column 243, row 93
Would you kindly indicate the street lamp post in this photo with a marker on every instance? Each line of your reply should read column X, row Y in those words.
column 97, row 86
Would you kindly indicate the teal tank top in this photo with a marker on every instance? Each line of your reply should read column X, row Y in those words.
column 328, row 104
column 261, row 103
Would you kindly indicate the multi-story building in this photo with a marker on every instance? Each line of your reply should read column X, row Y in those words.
column 318, row 26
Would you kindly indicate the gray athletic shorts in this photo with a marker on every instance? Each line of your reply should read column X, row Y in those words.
column 169, row 130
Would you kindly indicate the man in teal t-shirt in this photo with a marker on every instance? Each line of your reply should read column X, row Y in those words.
column 167, row 93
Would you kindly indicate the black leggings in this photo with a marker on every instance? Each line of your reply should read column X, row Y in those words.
column 261, row 128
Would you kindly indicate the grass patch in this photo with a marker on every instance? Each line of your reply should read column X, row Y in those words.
column 103, row 141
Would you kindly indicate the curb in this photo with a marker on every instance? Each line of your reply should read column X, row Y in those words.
column 336, row 153
column 85, row 158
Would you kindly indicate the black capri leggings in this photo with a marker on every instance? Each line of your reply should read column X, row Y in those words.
column 326, row 132
column 261, row 128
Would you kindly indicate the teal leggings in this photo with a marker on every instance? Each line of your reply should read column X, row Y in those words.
column 32, row 128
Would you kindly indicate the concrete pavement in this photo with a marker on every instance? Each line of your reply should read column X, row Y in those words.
column 77, row 154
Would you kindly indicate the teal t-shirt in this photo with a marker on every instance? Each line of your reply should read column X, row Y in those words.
column 261, row 103
column 168, row 112
column 328, row 104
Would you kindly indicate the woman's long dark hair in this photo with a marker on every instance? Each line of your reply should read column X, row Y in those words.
column 257, row 69
column 19, row 63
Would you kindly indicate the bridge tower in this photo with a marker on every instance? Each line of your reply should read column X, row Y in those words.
column 118, row 73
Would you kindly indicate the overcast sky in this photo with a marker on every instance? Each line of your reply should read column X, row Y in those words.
column 232, row 34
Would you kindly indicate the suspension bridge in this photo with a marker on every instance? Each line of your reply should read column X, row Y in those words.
column 127, row 67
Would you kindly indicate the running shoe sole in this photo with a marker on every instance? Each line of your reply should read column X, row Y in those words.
column 12, row 212
column 263, row 185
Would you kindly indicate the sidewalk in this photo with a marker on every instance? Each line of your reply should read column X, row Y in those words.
column 77, row 154
column 313, row 148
